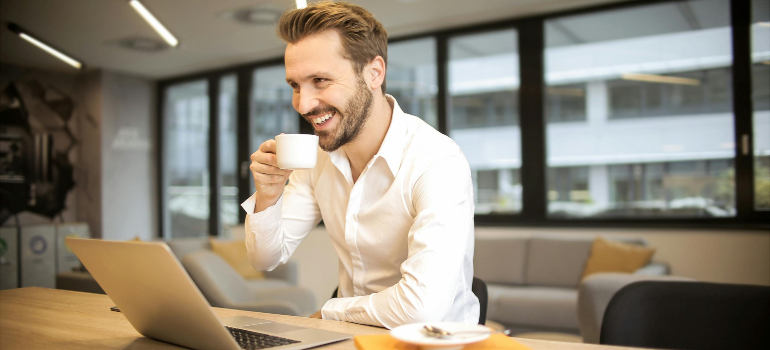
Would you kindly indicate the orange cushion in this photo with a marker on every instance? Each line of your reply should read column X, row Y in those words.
column 609, row 256
column 236, row 255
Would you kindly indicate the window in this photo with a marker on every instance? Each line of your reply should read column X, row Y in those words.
column 411, row 77
column 760, row 75
column 271, row 110
column 615, row 161
column 186, row 165
column 228, row 153
column 566, row 103
column 695, row 92
column 625, row 120
column 483, row 115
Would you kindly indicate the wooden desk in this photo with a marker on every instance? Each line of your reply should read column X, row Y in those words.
column 37, row 318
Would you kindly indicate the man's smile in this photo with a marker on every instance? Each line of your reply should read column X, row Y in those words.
column 322, row 121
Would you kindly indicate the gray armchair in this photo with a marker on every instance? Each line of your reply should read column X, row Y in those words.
column 224, row 287
column 596, row 291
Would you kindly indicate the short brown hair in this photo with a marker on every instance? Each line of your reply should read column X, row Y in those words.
column 363, row 37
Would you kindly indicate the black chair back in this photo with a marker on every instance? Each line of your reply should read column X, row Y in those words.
column 688, row 315
column 479, row 288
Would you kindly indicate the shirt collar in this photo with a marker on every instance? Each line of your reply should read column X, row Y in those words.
column 391, row 150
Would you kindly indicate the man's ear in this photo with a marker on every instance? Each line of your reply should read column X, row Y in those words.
column 375, row 73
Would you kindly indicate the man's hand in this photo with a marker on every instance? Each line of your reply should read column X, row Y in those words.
column 317, row 315
column 269, row 179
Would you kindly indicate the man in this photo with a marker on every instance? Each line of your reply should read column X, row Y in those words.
column 395, row 195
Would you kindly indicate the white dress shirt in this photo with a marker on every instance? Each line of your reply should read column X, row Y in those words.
column 403, row 231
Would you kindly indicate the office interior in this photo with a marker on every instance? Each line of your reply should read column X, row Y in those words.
column 644, row 122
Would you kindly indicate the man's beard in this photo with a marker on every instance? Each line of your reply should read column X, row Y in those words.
column 350, row 123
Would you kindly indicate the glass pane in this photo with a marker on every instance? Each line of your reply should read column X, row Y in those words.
column 639, row 115
column 271, row 110
column 228, row 153
column 483, row 119
column 411, row 77
column 186, row 161
column 760, row 75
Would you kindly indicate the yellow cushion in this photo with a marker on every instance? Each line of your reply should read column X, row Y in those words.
column 234, row 252
column 616, row 257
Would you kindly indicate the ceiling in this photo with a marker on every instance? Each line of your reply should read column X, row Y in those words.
column 90, row 30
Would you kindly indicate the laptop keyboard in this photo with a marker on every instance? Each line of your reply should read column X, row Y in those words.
column 249, row 340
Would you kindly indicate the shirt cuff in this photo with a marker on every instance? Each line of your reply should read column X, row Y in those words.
column 335, row 309
column 353, row 309
column 267, row 218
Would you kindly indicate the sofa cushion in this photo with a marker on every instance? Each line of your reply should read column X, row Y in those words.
column 268, row 283
column 183, row 246
column 556, row 261
column 235, row 253
column 500, row 260
column 616, row 257
column 526, row 306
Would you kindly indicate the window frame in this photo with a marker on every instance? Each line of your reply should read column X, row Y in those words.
column 532, row 94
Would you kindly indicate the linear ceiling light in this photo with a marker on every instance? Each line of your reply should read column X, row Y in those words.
column 170, row 39
column 301, row 4
column 45, row 47
column 661, row 79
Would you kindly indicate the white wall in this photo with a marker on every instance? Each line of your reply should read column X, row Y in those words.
column 128, row 154
column 114, row 160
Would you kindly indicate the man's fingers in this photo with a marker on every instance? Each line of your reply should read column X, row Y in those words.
column 269, row 179
column 268, row 169
column 265, row 158
column 267, row 147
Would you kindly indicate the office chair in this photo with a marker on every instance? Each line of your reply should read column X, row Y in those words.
column 479, row 288
column 688, row 315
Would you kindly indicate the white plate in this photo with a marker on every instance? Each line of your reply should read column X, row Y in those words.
column 413, row 334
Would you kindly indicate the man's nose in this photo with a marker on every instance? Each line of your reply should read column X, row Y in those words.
column 306, row 100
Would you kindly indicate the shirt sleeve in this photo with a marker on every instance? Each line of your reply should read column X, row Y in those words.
column 273, row 234
column 434, row 269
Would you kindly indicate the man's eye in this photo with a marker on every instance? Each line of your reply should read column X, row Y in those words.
column 321, row 80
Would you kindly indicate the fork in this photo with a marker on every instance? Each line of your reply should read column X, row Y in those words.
column 435, row 332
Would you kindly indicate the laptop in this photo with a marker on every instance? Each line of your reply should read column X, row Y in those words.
column 152, row 289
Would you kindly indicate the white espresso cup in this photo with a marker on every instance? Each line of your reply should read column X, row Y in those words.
column 296, row 151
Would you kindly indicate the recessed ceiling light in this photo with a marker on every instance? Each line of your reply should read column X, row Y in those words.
column 44, row 46
column 264, row 16
column 140, row 44
column 254, row 15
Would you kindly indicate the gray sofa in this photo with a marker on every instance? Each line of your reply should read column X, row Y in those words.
column 533, row 281
column 224, row 287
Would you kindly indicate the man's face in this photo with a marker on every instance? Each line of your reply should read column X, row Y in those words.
column 327, row 91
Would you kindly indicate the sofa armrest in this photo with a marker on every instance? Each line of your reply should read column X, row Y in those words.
column 271, row 307
column 655, row 268
column 595, row 293
column 287, row 272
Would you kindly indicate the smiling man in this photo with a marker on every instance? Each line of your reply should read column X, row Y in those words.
column 395, row 195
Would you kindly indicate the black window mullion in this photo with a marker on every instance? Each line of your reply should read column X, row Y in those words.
column 740, row 16
column 442, row 100
column 159, row 137
column 215, row 175
column 533, row 152
column 244, row 153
